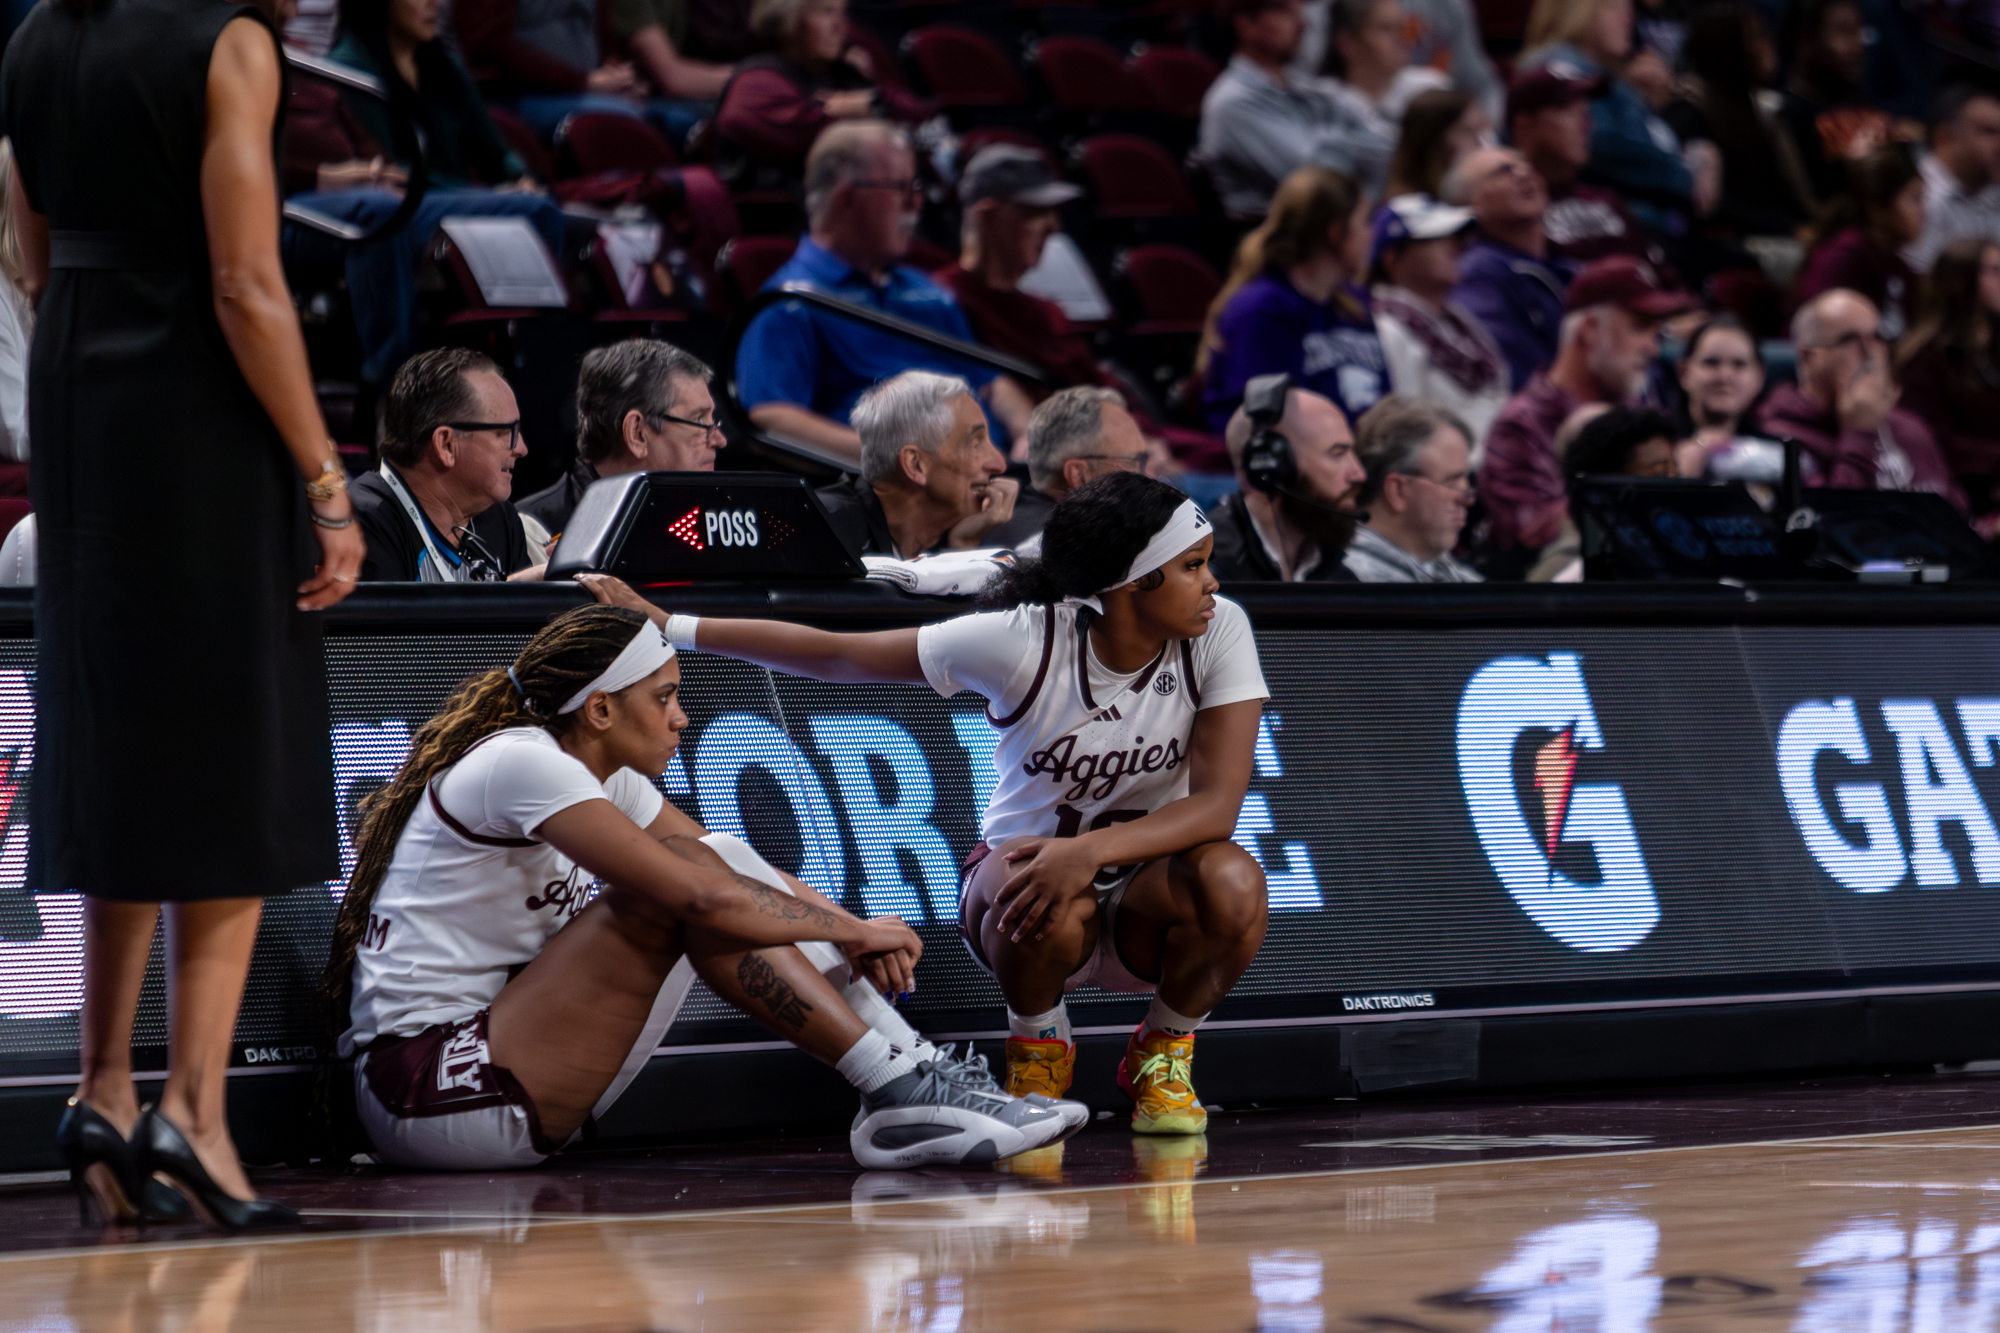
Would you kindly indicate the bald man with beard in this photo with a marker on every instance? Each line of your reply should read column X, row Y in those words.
column 1285, row 537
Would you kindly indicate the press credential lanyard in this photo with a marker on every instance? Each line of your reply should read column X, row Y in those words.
column 448, row 572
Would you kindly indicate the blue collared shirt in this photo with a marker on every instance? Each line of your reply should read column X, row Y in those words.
column 792, row 354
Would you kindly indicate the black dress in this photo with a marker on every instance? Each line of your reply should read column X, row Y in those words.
column 182, row 748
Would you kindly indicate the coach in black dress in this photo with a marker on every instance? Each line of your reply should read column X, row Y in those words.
column 181, row 747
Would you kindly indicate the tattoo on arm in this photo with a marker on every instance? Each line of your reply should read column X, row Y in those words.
column 761, row 981
column 772, row 902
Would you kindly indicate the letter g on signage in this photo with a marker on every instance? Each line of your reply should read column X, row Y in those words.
column 1504, row 698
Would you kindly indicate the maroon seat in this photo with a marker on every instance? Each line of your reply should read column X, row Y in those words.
column 591, row 142
column 973, row 140
column 1134, row 178
column 1174, row 287
column 964, row 69
column 1085, row 75
column 1176, row 79
column 524, row 143
column 747, row 262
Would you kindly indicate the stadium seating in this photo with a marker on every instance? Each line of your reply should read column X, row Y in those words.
column 746, row 262
column 1176, row 79
column 962, row 69
column 1133, row 177
column 1173, row 287
column 589, row 143
column 1085, row 75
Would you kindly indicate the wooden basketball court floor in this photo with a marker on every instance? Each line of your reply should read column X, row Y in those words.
column 1868, row 1205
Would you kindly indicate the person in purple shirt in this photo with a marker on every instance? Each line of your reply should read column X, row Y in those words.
column 1507, row 278
column 1292, row 303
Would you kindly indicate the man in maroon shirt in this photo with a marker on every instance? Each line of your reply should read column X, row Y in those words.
column 1610, row 335
column 1548, row 119
column 1843, row 408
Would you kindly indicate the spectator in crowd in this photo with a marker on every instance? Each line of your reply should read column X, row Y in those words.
column 1862, row 233
column 800, row 371
column 397, row 41
column 1368, row 57
column 1843, row 408
column 1599, row 440
column 1507, row 279
column 1076, row 435
column 1961, row 173
column 1730, row 60
column 1292, row 302
column 437, row 510
column 1295, row 536
column 1610, row 335
column 1436, row 34
column 1631, row 149
column 641, row 406
column 1950, row 365
column 17, row 328
column 1436, row 350
column 544, row 56
column 1439, row 129
column 930, row 476
column 1260, row 123
column 1419, row 489
column 1721, row 377
column 1548, row 121
column 804, row 80
column 1009, row 200
column 1824, row 110
column 646, row 27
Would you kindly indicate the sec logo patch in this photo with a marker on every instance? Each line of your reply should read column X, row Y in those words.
column 1163, row 684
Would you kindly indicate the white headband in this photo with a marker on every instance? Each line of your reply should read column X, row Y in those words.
column 1187, row 526
column 647, row 653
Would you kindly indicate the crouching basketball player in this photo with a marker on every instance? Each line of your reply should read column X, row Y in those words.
column 1126, row 697
column 493, row 1007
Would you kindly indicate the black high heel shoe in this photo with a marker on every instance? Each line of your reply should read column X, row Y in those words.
column 104, row 1167
column 163, row 1149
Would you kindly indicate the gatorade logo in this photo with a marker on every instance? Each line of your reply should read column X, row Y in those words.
column 1529, row 815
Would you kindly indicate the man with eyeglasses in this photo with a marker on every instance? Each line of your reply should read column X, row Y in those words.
column 1076, row 435
column 1843, row 408
column 437, row 509
column 1419, row 489
column 800, row 371
column 641, row 406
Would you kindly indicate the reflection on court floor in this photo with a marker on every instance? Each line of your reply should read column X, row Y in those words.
column 1896, row 1233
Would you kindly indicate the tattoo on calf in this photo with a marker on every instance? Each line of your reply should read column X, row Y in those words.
column 761, row 981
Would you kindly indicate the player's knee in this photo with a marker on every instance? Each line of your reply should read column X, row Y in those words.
column 641, row 918
column 1233, row 893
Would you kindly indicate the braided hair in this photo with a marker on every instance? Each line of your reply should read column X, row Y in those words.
column 570, row 651
column 1092, row 537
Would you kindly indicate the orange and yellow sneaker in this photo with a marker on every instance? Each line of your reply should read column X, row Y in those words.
column 1158, row 1075
column 1036, row 1066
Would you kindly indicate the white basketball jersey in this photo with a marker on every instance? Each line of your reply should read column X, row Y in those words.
column 470, row 893
column 1082, row 747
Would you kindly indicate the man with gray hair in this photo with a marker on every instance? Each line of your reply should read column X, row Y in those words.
column 1076, row 435
column 801, row 371
column 641, row 406
column 930, row 476
column 1419, row 489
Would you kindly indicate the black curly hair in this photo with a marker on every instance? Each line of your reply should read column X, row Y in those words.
column 1091, row 540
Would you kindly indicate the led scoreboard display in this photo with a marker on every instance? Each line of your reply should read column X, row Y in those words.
column 1477, row 820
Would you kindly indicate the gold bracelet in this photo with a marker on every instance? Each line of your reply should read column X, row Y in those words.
column 332, row 481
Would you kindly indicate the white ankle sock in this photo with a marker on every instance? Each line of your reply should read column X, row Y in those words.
column 869, row 1006
column 874, row 1061
column 1052, row 1026
column 1159, row 1018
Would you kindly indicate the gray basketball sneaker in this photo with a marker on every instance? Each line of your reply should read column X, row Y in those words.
column 931, row 1117
column 973, row 1071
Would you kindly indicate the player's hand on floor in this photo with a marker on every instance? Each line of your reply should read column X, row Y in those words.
column 1048, row 871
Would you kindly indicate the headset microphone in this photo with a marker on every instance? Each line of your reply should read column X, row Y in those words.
column 1268, row 461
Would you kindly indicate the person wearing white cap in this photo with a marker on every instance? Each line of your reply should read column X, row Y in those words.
column 1436, row 350
column 1125, row 696
column 496, row 1000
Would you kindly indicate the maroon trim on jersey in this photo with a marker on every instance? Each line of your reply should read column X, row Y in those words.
column 1083, row 665
column 467, row 834
column 1041, row 674
column 1187, row 666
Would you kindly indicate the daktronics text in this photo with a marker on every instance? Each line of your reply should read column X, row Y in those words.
column 1849, row 824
